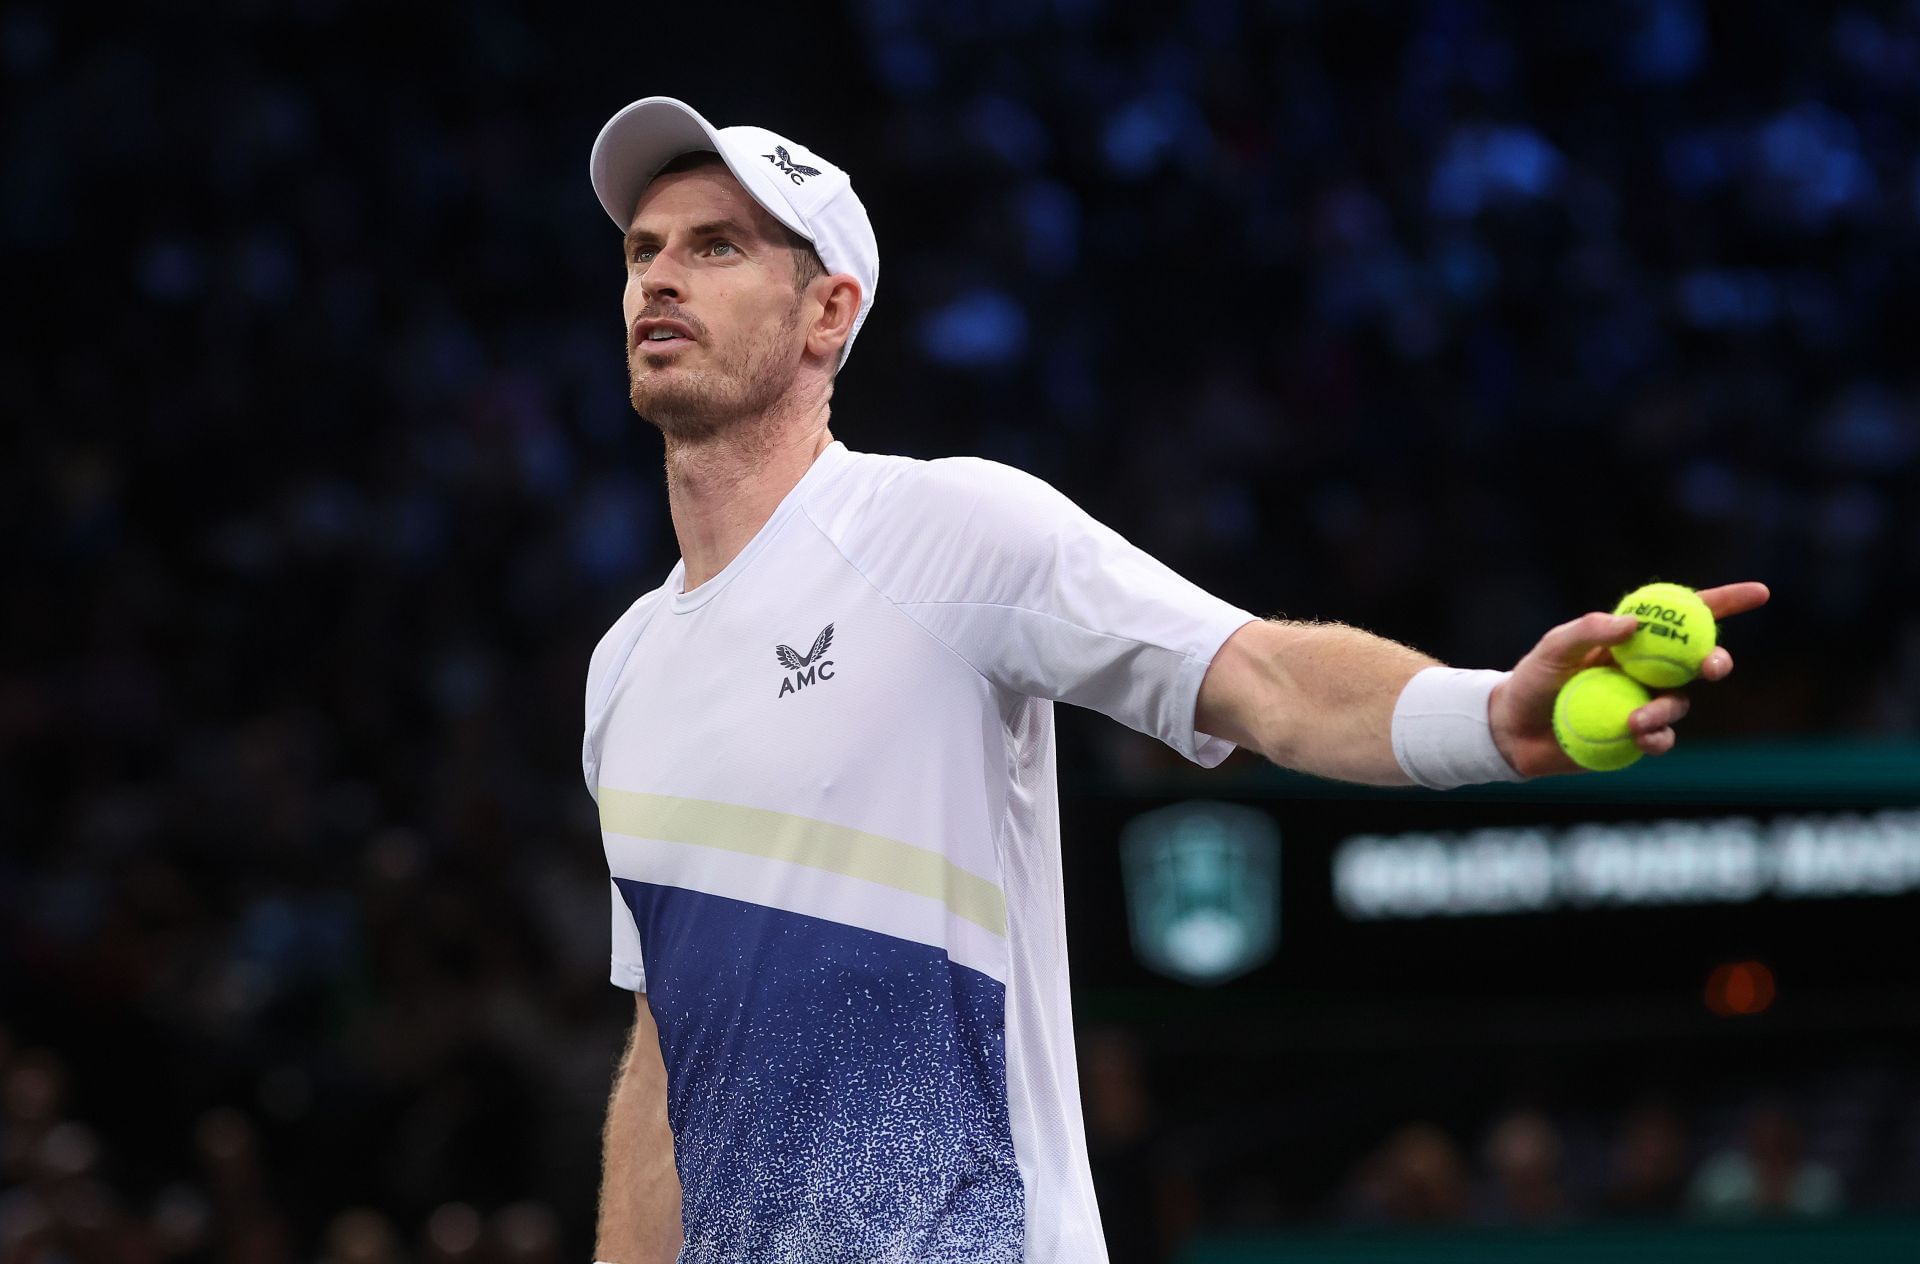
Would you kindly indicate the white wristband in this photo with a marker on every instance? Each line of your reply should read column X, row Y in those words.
column 1441, row 734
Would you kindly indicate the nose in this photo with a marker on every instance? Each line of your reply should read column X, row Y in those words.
column 663, row 279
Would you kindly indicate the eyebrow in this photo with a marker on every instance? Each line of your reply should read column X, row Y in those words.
column 713, row 228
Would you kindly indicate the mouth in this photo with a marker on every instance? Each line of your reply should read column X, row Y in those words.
column 658, row 336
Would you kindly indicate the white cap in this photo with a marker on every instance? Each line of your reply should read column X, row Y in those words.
column 797, row 186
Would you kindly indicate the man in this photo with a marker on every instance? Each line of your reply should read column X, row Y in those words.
column 823, row 755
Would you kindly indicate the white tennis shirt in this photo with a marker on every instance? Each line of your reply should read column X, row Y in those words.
column 826, row 788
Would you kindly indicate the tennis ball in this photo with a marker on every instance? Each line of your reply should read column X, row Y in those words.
column 1590, row 718
column 1675, row 636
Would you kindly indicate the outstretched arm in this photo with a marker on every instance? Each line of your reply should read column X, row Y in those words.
column 1319, row 697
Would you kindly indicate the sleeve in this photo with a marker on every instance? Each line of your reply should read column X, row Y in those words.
column 629, row 971
column 603, row 673
column 1042, row 599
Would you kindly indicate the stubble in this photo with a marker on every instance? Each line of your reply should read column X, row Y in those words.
column 725, row 394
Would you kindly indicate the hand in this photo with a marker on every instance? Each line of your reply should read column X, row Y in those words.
column 1521, row 709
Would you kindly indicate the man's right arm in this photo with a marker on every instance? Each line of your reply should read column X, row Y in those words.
column 639, row 1189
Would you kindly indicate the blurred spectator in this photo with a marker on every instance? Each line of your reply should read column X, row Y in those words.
column 33, row 1088
column 1417, row 1177
column 361, row 1235
column 452, row 1235
column 1649, row 1166
column 1146, row 1207
column 525, row 1233
column 249, row 1224
column 1769, row 1176
column 1523, row 1156
column 181, row 1223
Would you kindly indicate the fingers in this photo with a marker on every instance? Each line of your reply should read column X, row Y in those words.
column 1658, row 742
column 1725, row 602
column 1526, row 701
column 1572, row 645
column 1664, row 711
column 1731, row 599
column 1584, row 642
column 1598, row 656
column 1580, row 642
column 1652, row 725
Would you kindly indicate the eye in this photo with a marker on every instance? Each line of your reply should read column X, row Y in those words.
column 723, row 247
column 643, row 254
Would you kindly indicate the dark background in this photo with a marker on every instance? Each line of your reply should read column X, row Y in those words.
column 318, row 484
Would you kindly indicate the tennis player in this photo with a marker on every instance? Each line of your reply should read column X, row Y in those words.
column 822, row 751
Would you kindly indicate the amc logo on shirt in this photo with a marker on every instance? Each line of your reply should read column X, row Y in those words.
column 809, row 668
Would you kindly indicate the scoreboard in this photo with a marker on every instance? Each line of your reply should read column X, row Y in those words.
column 1751, row 869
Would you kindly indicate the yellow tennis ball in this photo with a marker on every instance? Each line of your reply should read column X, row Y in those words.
column 1675, row 636
column 1590, row 718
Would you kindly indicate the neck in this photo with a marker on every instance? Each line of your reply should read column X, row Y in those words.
column 722, row 488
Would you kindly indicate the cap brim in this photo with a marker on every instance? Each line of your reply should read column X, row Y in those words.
column 636, row 143
column 648, row 135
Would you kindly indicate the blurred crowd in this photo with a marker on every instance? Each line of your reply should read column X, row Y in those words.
column 225, row 1184
column 1845, row 1137
column 319, row 481
column 66, row 1196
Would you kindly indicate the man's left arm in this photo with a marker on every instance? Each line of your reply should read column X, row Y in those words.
column 1320, row 697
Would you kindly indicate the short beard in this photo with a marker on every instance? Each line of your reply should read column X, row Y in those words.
column 697, row 406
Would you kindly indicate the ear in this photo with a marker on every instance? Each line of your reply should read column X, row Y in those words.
column 839, row 297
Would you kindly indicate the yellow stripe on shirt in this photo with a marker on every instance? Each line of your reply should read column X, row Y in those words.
column 801, row 840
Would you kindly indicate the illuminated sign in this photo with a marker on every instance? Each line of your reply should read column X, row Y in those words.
column 1727, row 860
column 1203, row 889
